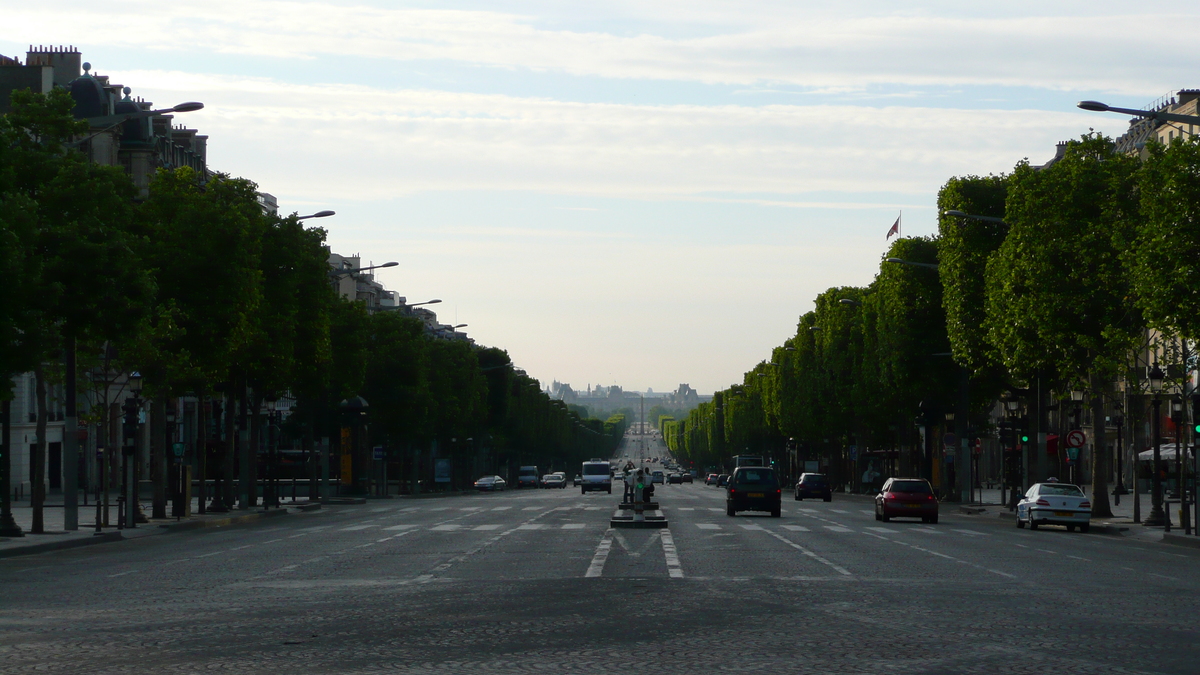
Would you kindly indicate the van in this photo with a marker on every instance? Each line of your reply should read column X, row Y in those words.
column 528, row 476
column 597, row 476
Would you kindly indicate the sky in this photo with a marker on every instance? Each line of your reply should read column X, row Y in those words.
column 633, row 193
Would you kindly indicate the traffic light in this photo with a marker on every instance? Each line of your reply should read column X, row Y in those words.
column 1196, row 412
column 1024, row 438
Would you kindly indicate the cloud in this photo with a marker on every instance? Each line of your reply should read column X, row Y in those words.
column 754, row 43
column 371, row 143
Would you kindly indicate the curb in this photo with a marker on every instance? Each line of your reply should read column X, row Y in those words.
column 1181, row 540
column 222, row 522
column 313, row 506
column 60, row 545
column 972, row 510
column 343, row 500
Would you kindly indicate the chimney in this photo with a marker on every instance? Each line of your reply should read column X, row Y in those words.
column 66, row 61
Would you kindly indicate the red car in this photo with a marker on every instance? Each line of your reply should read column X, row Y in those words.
column 906, row 498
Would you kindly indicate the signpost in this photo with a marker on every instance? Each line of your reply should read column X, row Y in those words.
column 1076, row 438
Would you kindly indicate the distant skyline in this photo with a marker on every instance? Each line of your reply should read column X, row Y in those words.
column 642, row 194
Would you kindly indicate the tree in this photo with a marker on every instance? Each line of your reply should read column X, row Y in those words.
column 1058, row 291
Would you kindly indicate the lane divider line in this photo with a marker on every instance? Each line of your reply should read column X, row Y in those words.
column 671, row 554
column 596, row 569
column 838, row 568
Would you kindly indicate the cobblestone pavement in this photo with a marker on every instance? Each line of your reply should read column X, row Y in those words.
column 536, row 580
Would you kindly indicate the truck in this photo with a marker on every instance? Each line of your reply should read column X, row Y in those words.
column 597, row 476
column 528, row 476
column 747, row 460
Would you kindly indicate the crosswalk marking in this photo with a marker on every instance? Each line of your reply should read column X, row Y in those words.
column 869, row 512
column 501, row 508
column 573, row 526
column 485, row 528
column 708, row 526
column 887, row 530
column 713, row 508
column 751, row 527
column 839, row 510
column 356, row 527
column 686, row 508
column 973, row 533
column 401, row 527
column 532, row 508
column 807, row 510
column 450, row 527
column 838, row 528
column 531, row 526
column 795, row 528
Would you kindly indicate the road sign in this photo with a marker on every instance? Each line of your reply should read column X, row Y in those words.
column 950, row 440
column 377, row 452
column 178, row 449
column 1076, row 438
column 1072, row 454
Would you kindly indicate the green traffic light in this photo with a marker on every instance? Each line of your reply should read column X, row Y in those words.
column 1024, row 439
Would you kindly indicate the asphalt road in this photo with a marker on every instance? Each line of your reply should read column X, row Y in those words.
column 535, row 580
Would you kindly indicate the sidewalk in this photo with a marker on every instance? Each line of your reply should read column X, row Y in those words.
column 56, row 538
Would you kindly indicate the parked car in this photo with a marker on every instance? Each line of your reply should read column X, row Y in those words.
column 490, row 484
column 753, row 488
column 711, row 479
column 814, row 485
column 723, row 480
column 1055, row 504
column 578, row 481
column 906, row 498
column 553, row 480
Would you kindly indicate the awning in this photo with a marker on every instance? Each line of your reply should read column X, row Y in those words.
column 1165, row 451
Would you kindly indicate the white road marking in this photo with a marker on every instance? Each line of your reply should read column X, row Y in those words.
column 486, row 528
column 531, row 526
column 839, row 569
column 440, row 508
column 501, row 508
column 713, row 508
column 121, row 574
column 272, row 541
column 400, row 527
column 839, row 511
column 869, row 512
column 838, row 528
column 973, row 533
column 708, row 526
column 795, row 528
column 532, row 508
column 886, row 530
column 671, row 554
column 751, row 526
column 686, row 508
column 356, row 527
column 574, row 526
column 807, row 510
column 380, row 510
column 446, row 528
column 596, row 569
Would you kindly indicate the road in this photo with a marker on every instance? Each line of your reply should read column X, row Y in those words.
column 536, row 580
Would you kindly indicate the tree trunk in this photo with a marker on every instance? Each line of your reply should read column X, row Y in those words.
column 229, row 447
column 158, row 457
column 1100, row 454
column 249, row 452
column 200, row 448
column 37, row 462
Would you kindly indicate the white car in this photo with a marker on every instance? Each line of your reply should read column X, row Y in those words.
column 1055, row 504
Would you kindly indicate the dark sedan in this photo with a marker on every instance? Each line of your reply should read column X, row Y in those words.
column 490, row 484
column 814, row 486
column 753, row 488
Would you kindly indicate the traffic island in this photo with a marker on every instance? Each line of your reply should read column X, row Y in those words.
column 641, row 518
column 648, row 506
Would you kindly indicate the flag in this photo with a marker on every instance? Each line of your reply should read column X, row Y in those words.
column 895, row 228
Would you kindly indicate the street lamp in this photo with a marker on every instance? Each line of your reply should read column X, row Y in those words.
column 334, row 274
column 970, row 216
column 1156, row 115
column 1180, row 483
column 851, row 303
column 318, row 214
column 1157, row 515
column 271, row 491
column 901, row 261
column 111, row 122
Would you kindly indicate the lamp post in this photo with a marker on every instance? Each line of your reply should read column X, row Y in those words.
column 132, row 408
column 270, row 488
column 1177, row 420
column 1118, row 421
column 1076, row 423
column 318, row 214
column 1009, row 476
column 1156, row 517
column 1156, row 115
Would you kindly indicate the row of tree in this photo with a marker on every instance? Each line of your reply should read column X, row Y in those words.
column 1057, row 290
column 205, row 294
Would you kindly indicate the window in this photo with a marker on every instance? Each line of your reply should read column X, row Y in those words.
column 910, row 487
column 763, row 477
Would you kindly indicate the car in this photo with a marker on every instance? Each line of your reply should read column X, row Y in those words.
column 753, row 488
column 527, row 476
column 553, row 480
column 906, row 498
column 490, row 484
column 723, row 480
column 674, row 479
column 595, row 476
column 814, row 485
column 578, row 481
column 685, row 477
column 711, row 479
column 657, row 477
column 1055, row 504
